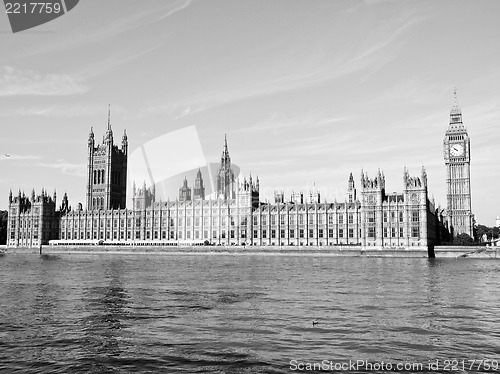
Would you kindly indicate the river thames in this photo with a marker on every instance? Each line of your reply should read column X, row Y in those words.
column 206, row 313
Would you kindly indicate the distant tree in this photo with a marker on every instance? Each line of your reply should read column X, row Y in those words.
column 495, row 232
column 490, row 232
column 3, row 227
column 463, row 239
column 480, row 231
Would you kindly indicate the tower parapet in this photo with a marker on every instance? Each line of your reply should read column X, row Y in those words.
column 247, row 193
column 351, row 190
column 199, row 188
column 143, row 197
column 185, row 191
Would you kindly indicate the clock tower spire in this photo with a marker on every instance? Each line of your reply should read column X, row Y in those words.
column 456, row 146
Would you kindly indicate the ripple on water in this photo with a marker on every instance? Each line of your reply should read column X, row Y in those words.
column 240, row 314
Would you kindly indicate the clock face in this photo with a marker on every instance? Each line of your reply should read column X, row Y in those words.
column 457, row 149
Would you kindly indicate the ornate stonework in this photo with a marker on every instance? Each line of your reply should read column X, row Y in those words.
column 456, row 147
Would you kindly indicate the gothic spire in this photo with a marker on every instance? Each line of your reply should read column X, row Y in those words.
column 91, row 137
column 109, row 117
column 424, row 176
column 455, row 108
column 225, row 178
column 455, row 114
column 225, row 159
column 109, row 133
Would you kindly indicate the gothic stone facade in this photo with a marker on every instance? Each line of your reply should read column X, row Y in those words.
column 33, row 220
column 235, row 217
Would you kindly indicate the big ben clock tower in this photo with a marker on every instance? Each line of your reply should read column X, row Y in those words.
column 456, row 146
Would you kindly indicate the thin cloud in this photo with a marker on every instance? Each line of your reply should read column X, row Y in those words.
column 61, row 111
column 176, row 8
column 323, row 68
column 10, row 157
column 103, row 66
column 66, row 167
column 127, row 18
column 18, row 82
column 277, row 122
column 140, row 19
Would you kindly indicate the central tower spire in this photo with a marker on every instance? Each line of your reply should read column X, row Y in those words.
column 225, row 152
column 225, row 176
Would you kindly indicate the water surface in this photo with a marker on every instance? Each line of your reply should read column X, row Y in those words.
column 241, row 313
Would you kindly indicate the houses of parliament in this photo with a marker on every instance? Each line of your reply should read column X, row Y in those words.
column 368, row 216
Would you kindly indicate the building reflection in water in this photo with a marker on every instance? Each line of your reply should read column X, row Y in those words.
column 105, row 319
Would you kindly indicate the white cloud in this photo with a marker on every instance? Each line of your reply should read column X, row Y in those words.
column 17, row 82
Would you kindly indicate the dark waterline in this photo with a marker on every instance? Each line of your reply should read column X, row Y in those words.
column 233, row 314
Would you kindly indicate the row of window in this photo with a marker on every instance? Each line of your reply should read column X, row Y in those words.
column 415, row 232
column 393, row 232
column 24, row 235
column 225, row 221
column 265, row 233
column 99, row 177
column 229, row 219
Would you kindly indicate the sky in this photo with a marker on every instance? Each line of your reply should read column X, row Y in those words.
column 306, row 91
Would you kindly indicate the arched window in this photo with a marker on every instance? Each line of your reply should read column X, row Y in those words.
column 102, row 202
column 93, row 201
column 102, row 176
column 95, row 178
